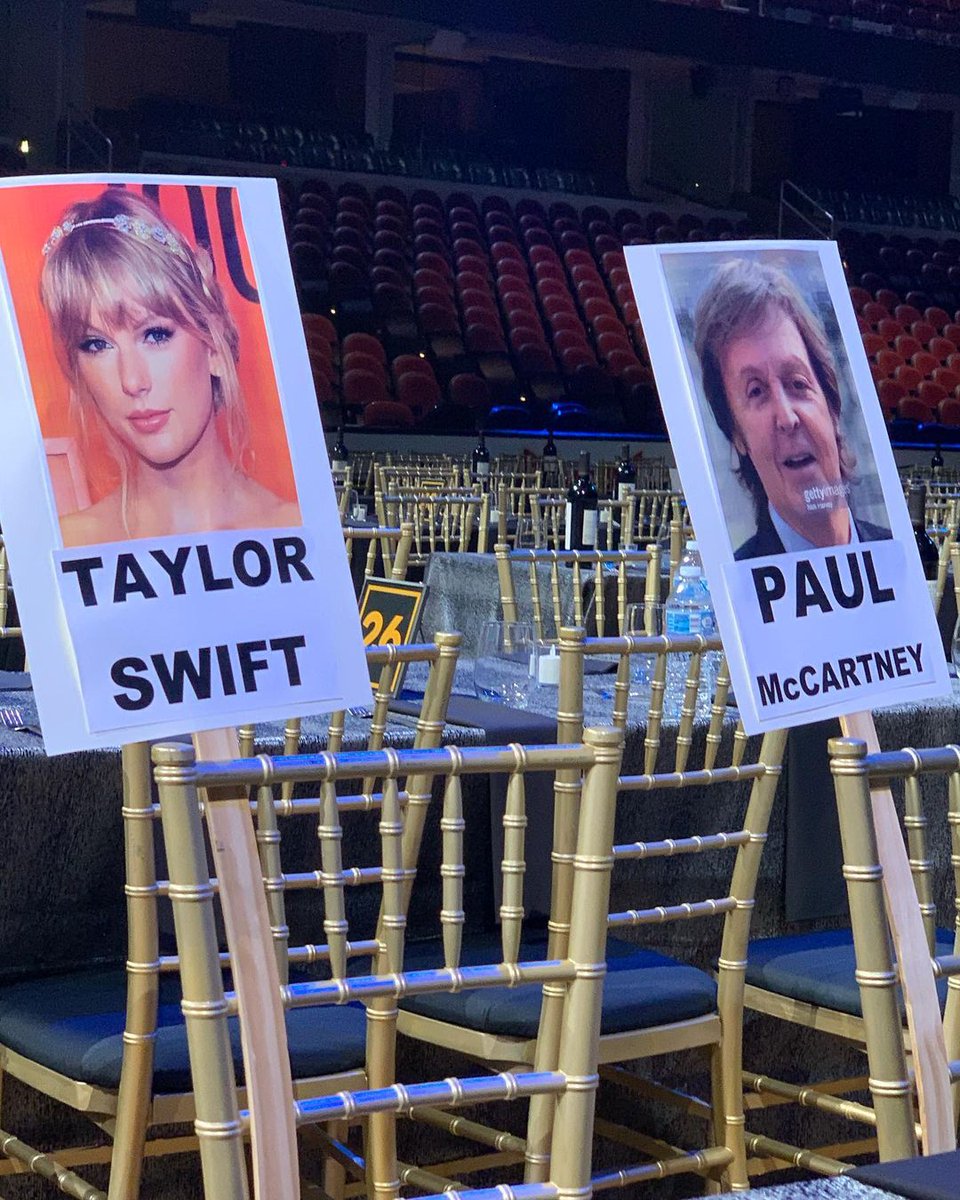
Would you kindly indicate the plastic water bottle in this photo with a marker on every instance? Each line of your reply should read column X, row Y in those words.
column 687, row 612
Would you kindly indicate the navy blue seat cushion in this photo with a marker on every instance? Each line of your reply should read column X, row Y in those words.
column 74, row 1024
column 934, row 1178
column 642, row 988
column 817, row 968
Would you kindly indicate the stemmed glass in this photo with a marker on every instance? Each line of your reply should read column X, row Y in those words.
column 504, row 656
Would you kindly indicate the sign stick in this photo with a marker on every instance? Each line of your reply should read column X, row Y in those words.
column 269, row 1083
column 913, row 958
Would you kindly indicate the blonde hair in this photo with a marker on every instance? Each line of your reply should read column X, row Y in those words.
column 142, row 262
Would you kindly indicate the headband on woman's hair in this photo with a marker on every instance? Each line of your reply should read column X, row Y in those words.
column 134, row 226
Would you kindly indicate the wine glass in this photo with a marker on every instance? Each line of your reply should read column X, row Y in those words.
column 505, row 653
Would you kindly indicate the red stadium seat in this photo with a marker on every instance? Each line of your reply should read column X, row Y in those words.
column 438, row 319
column 909, row 377
column 358, row 360
column 361, row 388
column 873, row 343
column 888, row 298
column 387, row 414
column 483, row 339
column 365, row 343
column 938, row 318
column 420, row 393
column 931, row 393
column 469, row 391
column 411, row 364
column 906, row 346
column 859, row 297
column 890, row 393
column 906, row 314
column 925, row 363
column 948, row 412
column 875, row 313
column 942, row 348
column 948, row 380
column 889, row 329
column 911, row 409
column 923, row 331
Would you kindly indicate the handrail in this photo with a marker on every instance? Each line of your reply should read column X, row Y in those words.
column 818, row 210
column 79, row 128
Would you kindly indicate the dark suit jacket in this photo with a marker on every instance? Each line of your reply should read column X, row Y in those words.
column 767, row 541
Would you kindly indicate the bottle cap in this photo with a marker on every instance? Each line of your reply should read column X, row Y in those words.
column 689, row 571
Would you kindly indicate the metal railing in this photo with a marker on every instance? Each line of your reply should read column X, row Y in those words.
column 85, row 144
column 801, row 216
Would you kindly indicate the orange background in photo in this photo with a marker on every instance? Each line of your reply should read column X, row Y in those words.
column 27, row 215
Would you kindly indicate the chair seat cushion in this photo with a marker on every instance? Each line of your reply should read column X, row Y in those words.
column 74, row 1024
column 817, row 968
column 936, row 1177
column 641, row 989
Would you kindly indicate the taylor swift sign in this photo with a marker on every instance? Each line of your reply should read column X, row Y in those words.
column 790, row 479
column 177, row 555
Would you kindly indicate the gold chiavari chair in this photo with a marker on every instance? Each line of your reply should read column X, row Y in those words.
column 444, row 475
column 456, row 522
column 654, row 1004
column 547, row 511
column 110, row 1042
column 576, row 979
column 388, row 552
column 6, row 631
column 844, row 983
column 546, row 570
column 442, row 656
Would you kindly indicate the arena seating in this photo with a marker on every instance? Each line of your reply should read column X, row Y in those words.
column 507, row 313
column 514, row 313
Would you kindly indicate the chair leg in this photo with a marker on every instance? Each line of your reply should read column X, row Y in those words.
column 130, row 1134
column 334, row 1173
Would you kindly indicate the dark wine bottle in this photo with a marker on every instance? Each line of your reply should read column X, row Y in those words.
column 340, row 455
column 549, row 463
column 936, row 462
column 626, row 474
column 481, row 462
column 582, row 506
column 926, row 546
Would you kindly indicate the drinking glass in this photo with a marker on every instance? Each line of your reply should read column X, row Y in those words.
column 502, row 667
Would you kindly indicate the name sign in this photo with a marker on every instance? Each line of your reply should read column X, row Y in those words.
column 186, row 571
column 389, row 616
column 791, row 483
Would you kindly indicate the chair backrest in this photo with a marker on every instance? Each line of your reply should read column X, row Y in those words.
column 389, row 549
column 576, row 981
column 547, row 570
column 441, row 521
column 859, row 777
column 658, row 900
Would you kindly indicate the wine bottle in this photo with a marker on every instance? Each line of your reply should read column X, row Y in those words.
column 936, row 462
column 926, row 546
column 550, row 463
column 481, row 462
column 582, row 506
column 626, row 474
column 340, row 455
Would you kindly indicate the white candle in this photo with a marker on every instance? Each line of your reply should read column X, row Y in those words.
column 549, row 668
